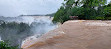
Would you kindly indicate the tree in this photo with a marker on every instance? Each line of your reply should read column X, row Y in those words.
column 14, row 32
column 84, row 9
column 59, row 15
column 91, row 7
column 5, row 45
column 107, row 10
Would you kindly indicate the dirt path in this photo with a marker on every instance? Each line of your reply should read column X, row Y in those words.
column 76, row 34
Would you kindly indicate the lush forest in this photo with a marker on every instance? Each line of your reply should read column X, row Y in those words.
column 84, row 9
column 13, row 33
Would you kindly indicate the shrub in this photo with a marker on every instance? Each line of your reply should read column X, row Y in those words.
column 5, row 45
column 92, row 17
column 108, row 18
column 100, row 18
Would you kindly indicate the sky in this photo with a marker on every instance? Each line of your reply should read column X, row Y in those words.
column 12, row 8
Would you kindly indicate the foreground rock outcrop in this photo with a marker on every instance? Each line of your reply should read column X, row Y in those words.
column 78, row 34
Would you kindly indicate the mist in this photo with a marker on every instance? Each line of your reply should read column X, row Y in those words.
column 0, row 38
column 20, row 28
column 42, row 25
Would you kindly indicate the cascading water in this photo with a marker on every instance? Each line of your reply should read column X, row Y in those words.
column 0, row 38
column 36, row 25
column 40, row 26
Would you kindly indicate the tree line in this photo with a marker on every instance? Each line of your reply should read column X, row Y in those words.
column 84, row 9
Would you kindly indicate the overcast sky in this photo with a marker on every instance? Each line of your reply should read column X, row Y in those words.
column 17, row 7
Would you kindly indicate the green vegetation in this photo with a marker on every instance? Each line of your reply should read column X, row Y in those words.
column 85, row 9
column 14, row 32
column 50, row 14
column 5, row 45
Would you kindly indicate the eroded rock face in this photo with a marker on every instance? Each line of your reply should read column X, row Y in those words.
column 78, row 34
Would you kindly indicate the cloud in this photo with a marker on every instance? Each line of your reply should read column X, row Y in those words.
column 18, row 7
column 108, row 1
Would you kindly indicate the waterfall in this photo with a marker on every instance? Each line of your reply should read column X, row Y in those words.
column 36, row 26
column 40, row 26
column 0, row 39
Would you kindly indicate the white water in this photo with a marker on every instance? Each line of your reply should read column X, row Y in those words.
column 40, row 26
column 0, row 39
column 28, row 20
